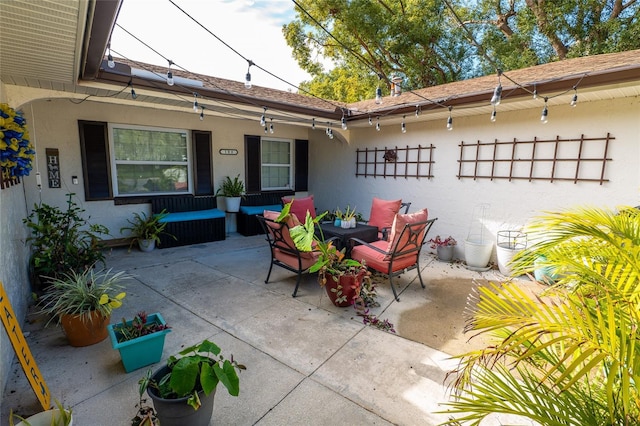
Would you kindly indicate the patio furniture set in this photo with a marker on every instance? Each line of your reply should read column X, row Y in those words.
column 390, row 243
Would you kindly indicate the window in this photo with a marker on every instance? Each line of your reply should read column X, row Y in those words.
column 149, row 160
column 276, row 163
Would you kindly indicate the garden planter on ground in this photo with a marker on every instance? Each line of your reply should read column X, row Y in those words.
column 233, row 204
column 141, row 351
column 176, row 412
column 445, row 253
column 146, row 245
column 350, row 284
column 508, row 245
column 47, row 418
column 477, row 253
column 85, row 330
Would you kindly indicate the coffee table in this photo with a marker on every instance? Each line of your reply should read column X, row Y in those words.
column 364, row 232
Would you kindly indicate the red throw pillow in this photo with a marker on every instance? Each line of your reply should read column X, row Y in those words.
column 383, row 212
column 401, row 220
column 300, row 206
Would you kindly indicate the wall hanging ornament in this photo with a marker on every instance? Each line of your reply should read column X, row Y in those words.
column 16, row 151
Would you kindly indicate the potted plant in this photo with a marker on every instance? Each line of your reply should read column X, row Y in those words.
column 146, row 230
column 346, row 281
column 140, row 341
column 62, row 241
column 182, row 391
column 444, row 247
column 232, row 190
column 349, row 218
column 58, row 416
column 82, row 303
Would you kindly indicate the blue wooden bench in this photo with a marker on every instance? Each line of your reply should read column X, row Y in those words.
column 256, row 204
column 192, row 220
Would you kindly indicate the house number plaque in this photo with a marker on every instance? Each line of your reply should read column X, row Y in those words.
column 53, row 167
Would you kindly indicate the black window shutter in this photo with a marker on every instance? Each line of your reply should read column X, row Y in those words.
column 253, row 168
column 95, row 160
column 302, row 165
column 203, row 173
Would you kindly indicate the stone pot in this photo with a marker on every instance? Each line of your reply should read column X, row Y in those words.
column 176, row 412
column 445, row 253
column 85, row 330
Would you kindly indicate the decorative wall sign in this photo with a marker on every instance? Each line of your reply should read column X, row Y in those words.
column 28, row 363
column 227, row 151
column 53, row 167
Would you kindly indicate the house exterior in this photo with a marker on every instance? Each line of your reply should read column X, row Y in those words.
column 81, row 115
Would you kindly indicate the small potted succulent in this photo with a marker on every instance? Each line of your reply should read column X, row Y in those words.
column 444, row 247
column 82, row 302
column 182, row 391
column 140, row 341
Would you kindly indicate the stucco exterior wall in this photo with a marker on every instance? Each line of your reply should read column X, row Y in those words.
column 452, row 200
column 57, row 127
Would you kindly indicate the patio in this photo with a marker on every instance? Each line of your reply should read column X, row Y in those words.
column 308, row 361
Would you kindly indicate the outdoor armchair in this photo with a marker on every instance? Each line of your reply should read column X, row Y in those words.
column 283, row 250
column 400, row 254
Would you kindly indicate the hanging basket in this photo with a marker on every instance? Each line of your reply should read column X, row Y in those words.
column 509, row 243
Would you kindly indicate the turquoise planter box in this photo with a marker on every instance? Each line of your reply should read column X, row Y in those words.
column 141, row 351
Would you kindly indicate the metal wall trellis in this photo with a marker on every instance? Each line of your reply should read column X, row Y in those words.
column 578, row 160
column 407, row 162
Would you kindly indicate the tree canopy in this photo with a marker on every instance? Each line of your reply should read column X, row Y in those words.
column 431, row 42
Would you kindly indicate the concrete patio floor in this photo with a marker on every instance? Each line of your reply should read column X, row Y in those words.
column 308, row 362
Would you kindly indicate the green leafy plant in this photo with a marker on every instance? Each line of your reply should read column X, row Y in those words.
column 332, row 263
column 63, row 241
column 143, row 227
column 138, row 327
column 146, row 414
column 231, row 187
column 197, row 368
column 59, row 417
column 570, row 358
column 80, row 293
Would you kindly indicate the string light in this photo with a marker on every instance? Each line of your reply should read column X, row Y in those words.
column 330, row 134
column 497, row 92
column 493, row 114
column 545, row 113
column 133, row 92
column 266, row 130
column 378, row 96
column 378, row 123
column 450, row 120
column 370, row 121
column 271, row 126
column 170, row 74
column 418, row 110
column 574, row 100
column 247, row 80
column 263, row 119
column 403, row 127
column 110, row 62
column 535, row 91
column 313, row 123
column 195, row 102
column 202, row 114
column 344, row 122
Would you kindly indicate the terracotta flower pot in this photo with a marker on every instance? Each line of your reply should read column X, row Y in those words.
column 350, row 288
column 85, row 330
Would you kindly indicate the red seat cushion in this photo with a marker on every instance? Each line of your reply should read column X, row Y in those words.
column 379, row 261
column 398, row 225
column 383, row 212
column 300, row 206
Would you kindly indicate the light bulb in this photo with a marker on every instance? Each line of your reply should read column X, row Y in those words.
column 330, row 134
column 497, row 95
column 417, row 111
column 110, row 62
column 133, row 94
column 344, row 123
column 545, row 115
column 271, row 126
column 202, row 115
column 313, row 123
column 574, row 101
column 450, row 123
column 169, row 78
column 370, row 121
column 403, row 128
column 247, row 81
column 327, row 131
column 378, row 96
column 535, row 93
column 378, row 127
column 266, row 130
column 493, row 115
column 195, row 104
column 263, row 121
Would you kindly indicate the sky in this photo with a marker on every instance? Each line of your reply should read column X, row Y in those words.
column 253, row 28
